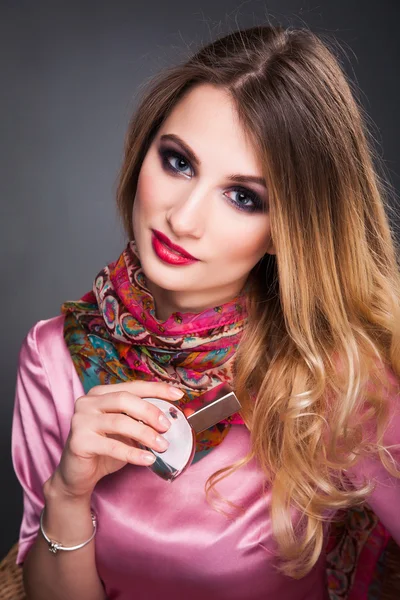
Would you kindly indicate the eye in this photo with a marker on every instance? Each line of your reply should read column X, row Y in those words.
column 246, row 200
column 175, row 162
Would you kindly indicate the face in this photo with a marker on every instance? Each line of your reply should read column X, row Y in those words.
column 187, row 197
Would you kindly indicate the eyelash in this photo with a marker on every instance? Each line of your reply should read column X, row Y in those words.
column 257, row 202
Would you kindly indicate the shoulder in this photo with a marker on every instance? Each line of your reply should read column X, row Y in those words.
column 44, row 343
column 45, row 368
column 45, row 337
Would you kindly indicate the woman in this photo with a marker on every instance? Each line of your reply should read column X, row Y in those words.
column 259, row 253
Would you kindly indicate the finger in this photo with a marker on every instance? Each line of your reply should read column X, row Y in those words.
column 132, row 406
column 144, row 389
column 124, row 440
column 125, row 426
column 104, row 446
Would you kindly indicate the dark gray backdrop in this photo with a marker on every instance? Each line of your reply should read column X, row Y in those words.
column 69, row 73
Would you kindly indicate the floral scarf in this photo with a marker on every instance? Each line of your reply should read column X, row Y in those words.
column 113, row 335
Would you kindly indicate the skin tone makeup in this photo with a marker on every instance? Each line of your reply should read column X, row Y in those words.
column 201, row 223
column 200, row 215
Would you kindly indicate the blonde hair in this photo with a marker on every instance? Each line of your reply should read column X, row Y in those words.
column 324, row 312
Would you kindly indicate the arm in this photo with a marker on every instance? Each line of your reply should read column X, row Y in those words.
column 66, row 574
column 36, row 451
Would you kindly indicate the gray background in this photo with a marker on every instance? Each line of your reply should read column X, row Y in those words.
column 69, row 75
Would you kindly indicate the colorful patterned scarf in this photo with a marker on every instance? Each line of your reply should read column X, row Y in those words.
column 113, row 335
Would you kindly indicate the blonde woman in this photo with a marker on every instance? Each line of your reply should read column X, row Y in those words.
column 258, row 253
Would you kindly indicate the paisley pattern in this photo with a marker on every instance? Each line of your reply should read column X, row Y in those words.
column 113, row 335
column 355, row 555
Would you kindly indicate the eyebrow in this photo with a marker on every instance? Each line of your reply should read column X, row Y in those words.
column 192, row 156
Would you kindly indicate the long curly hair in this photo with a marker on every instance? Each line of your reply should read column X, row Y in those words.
column 320, row 355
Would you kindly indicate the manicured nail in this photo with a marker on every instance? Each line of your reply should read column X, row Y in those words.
column 175, row 393
column 149, row 458
column 164, row 421
column 162, row 443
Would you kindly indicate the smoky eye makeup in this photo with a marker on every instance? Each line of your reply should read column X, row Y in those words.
column 244, row 199
column 170, row 159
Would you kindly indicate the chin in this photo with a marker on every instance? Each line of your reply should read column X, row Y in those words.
column 166, row 277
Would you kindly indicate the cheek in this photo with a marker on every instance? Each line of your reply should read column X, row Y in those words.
column 149, row 194
column 145, row 192
column 142, row 204
column 246, row 243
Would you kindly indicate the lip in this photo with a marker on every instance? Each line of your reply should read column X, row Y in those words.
column 166, row 250
column 165, row 240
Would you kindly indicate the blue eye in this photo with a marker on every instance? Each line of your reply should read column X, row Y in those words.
column 178, row 159
column 248, row 201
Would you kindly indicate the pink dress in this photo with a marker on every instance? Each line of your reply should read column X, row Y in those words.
column 157, row 539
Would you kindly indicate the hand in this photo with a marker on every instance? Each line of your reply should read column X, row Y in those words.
column 104, row 430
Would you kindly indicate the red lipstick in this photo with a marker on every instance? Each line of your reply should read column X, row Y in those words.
column 170, row 252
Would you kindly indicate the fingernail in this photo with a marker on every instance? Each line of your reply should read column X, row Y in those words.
column 149, row 458
column 164, row 421
column 175, row 393
column 162, row 443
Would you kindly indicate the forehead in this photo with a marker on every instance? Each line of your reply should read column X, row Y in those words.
column 207, row 120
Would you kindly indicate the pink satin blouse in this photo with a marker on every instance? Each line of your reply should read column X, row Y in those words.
column 157, row 539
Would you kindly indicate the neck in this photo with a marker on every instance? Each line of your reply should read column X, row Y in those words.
column 167, row 301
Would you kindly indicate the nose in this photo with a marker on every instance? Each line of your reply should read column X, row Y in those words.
column 187, row 216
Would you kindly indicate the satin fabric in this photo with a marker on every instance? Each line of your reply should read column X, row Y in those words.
column 113, row 335
column 158, row 539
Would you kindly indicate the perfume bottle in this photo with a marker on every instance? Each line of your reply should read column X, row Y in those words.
column 212, row 407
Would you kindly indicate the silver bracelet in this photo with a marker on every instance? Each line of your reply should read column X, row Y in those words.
column 54, row 547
